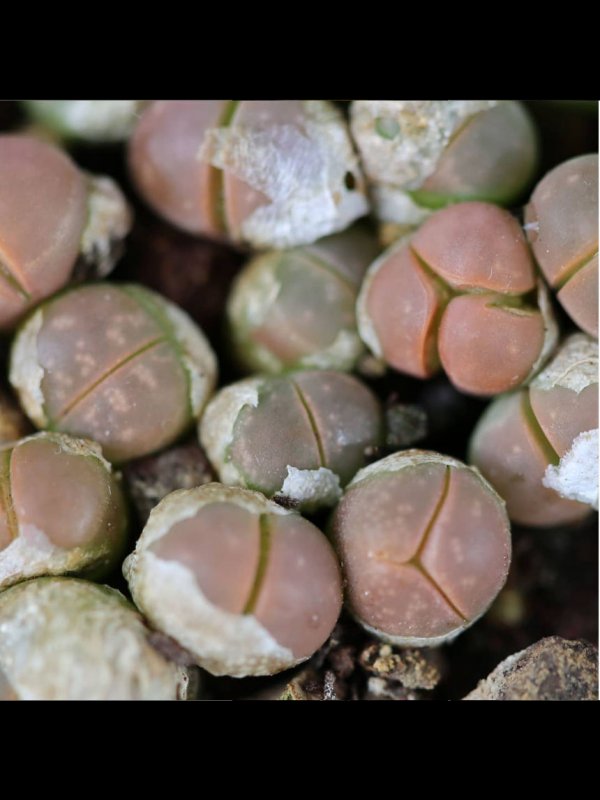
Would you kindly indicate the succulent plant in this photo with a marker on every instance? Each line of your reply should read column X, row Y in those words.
column 539, row 446
column 422, row 155
column 61, row 509
column 244, row 585
column 248, row 238
column 264, row 173
column 460, row 293
column 562, row 226
column 298, row 437
column 67, row 639
column 55, row 221
column 425, row 547
column 115, row 363
column 292, row 309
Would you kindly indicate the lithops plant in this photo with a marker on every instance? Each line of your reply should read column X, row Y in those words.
column 299, row 437
column 460, row 293
column 62, row 509
column 244, row 585
column 92, row 121
column 562, row 226
column 425, row 547
column 425, row 154
column 115, row 363
column 54, row 221
column 67, row 639
column 539, row 446
column 269, row 173
column 295, row 308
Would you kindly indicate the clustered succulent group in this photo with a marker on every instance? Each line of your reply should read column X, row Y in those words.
column 240, row 485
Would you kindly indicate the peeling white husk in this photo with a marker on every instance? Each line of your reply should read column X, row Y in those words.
column 395, row 205
column 551, row 332
column 341, row 354
column 576, row 475
column 302, row 174
column 223, row 643
column 199, row 359
column 424, row 130
column 66, row 639
column 109, row 221
column 574, row 367
column 216, row 426
column 25, row 372
column 311, row 488
column 255, row 291
column 31, row 554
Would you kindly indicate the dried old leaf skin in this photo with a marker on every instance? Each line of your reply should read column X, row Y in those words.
column 545, row 430
column 562, row 226
column 458, row 293
column 67, row 639
column 425, row 547
column 117, row 364
column 45, row 527
column 264, row 173
column 247, row 587
column 425, row 154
